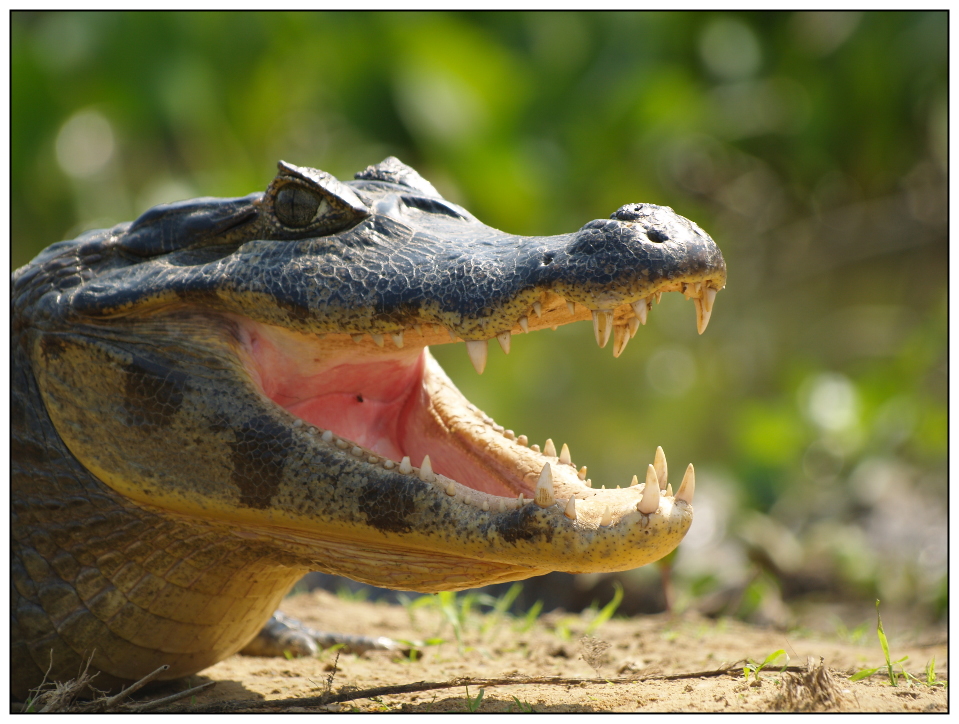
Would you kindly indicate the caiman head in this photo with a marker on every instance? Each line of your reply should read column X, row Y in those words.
column 262, row 364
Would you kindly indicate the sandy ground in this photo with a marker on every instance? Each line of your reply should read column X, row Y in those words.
column 596, row 670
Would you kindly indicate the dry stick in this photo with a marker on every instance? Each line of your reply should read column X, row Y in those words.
column 99, row 705
column 431, row 685
column 156, row 703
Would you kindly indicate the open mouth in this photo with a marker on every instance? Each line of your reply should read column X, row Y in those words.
column 386, row 401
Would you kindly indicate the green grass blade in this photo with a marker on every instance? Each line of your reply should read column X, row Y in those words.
column 608, row 610
column 885, row 646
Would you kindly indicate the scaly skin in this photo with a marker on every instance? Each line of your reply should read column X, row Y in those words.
column 228, row 393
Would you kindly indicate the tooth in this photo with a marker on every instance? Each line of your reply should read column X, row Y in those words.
column 607, row 517
column 659, row 296
column 709, row 296
column 589, row 483
column 486, row 505
column 522, row 502
column 582, row 473
column 534, row 448
column 570, row 511
column 538, row 308
column 357, row 451
column 419, row 329
column 398, row 340
column 509, row 434
column 669, row 490
column 650, row 501
column 502, row 505
column 389, row 464
column 564, row 456
column 544, row 488
column 378, row 338
column 688, row 486
column 523, row 440
column 477, row 351
column 602, row 326
column 524, row 324
column 452, row 336
column 640, row 308
column 633, row 324
column 662, row 472
column 634, row 481
column 503, row 340
column 702, row 316
column 342, row 444
column 426, row 470
column 327, row 436
column 620, row 339
column 571, row 307
column 451, row 489
column 357, row 338
column 405, row 466
column 549, row 448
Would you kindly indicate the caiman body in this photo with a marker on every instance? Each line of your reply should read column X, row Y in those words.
column 227, row 393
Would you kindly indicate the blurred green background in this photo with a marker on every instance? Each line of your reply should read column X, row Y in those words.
column 811, row 146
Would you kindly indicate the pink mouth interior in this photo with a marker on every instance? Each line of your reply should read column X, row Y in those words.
column 377, row 400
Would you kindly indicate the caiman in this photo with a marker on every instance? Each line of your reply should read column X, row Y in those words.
column 224, row 394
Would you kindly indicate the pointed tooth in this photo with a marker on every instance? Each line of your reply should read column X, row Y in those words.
column 477, row 350
column 524, row 324
column 620, row 339
column 504, row 339
column 523, row 440
column 570, row 511
column 582, row 473
column 662, row 472
column 633, row 324
column 426, row 470
column 659, row 297
column 688, row 486
column 419, row 329
column 521, row 500
column 405, row 466
column 602, row 326
column 538, row 308
column 564, row 456
column 571, row 307
column 641, row 309
column 451, row 489
column 534, row 448
column 544, row 488
column 669, row 490
column 378, row 338
column 452, row 336
column 702, row 316
column 486, row 505
column 650, row 501
column 549, row 448
column 357, row 338
column 709, row 296
column 588, row 482
column 398, row 340
column 634, row 482
column 607, row 517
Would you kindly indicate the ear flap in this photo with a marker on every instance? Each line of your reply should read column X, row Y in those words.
column 302, row 201
column 394, row 171
column 170, row 227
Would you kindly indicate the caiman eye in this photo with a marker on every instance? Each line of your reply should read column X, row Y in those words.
column 296, row 206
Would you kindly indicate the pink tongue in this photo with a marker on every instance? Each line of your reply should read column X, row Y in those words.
column 362, row 402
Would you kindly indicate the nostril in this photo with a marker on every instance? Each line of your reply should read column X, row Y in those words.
column 657, row 235
column 547, row 259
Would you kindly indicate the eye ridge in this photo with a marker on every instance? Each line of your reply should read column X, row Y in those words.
column 296, row 206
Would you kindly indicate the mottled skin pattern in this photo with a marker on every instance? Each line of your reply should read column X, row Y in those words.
column 167, row 490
